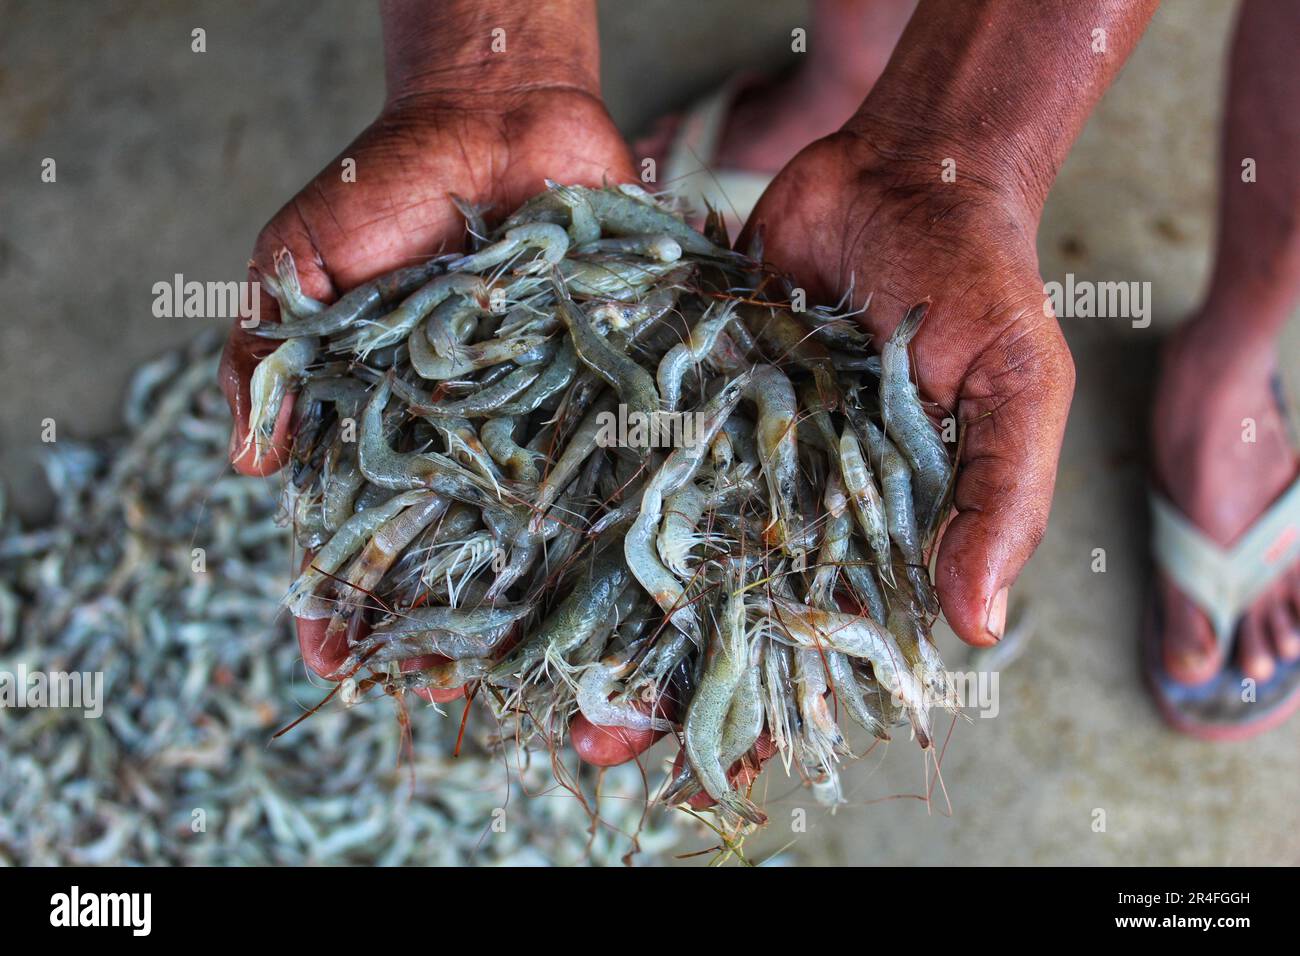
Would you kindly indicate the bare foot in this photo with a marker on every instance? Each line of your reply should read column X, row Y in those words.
column 773, row 118
column 1223, row 483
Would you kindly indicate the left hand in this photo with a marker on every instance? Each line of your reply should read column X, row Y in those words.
column 842, row 214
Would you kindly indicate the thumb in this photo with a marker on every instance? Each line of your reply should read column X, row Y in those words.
column 1013, row 403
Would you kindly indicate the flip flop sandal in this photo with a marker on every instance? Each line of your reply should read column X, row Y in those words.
column 689, row 171
column 1223, row 583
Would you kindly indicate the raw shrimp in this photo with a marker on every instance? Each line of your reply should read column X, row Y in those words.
column 867, row 503
column 778, row 696
column 778, row 449
column 578, row 450
column 583, row 227
column 691, row 352
column 909, row 426
column 554, row 378
column 358, row 305
column 597, row 685
column 743, row 725
column 485, row 514
column 821, row 735
column 896, row 483
column 349, row 539
column 662, row 248
column 633, row 383
column 549, row 239
column 913, row 638
column 586, row 606
column 724, row 668
column 617, row 279
column 682, row 512
column 446, row 675
column 273, row 378
column 403, row 470
column 340, row 490
column 458, row 634
column 458, row 621
column 677, row 470
column 849, row 694
column 861, row 637
column 386, row 543
column 487, row 401
column 521, row 349
column 287, row 290
column 857, row 572
column 451, row 323
column 621, row 214
column 835, row 545
column 397, row 325
column 638, row 315
column 497, row 435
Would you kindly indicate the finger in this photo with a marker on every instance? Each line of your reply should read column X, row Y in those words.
column 609, row 746
column 322, row 652
column 1014, row 403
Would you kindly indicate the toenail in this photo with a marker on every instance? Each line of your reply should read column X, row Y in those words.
column 1260, row 668
column 1191, row 661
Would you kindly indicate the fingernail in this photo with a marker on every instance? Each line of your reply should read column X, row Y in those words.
column 997, row 622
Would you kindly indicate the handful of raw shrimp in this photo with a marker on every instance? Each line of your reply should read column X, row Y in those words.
column 596, row 466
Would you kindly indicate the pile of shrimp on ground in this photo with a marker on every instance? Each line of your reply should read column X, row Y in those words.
column 595, row 466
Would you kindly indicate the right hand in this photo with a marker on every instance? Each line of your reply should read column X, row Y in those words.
column 420, row 150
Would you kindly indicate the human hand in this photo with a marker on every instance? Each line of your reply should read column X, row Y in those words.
column 409, row 161
column 843, row 214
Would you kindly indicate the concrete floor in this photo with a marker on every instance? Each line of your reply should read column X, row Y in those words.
column 169, row 161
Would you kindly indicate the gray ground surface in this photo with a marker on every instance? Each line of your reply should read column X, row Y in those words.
column 169, row 161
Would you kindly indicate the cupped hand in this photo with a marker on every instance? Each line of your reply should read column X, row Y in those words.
column 842, row 215
column 399, row 211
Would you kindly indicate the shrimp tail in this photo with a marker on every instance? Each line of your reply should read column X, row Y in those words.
column 911, row 322
column 742, row 807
